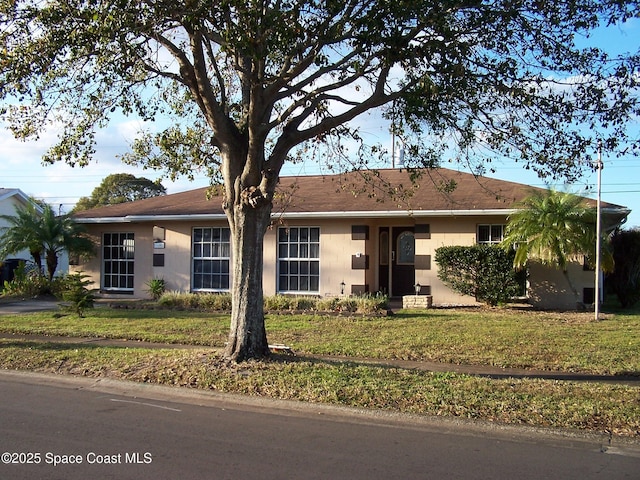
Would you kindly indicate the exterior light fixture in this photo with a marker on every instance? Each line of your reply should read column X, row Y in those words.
column 417, row 287
column 342, row 285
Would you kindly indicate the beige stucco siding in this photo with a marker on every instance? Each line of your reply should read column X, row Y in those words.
column 143, row 255
column 338, row 249
column 445, row 231
column 549, row 287
column 177, row 255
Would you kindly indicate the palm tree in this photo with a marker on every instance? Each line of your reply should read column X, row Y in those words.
column 43, row 233
column 553, row 228
column 22, row 233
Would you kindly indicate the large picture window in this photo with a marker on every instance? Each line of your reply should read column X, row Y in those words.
column 118, row 261
column 211, row 259
column 299, row 260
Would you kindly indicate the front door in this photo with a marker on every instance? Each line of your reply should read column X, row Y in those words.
column 403, row 272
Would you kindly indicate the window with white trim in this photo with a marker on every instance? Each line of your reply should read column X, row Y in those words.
column 211, row 259
column 299, row 260
column 118, row 251
column 490, row 234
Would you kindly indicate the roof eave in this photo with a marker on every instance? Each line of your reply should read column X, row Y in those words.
column 298, row 215
column 395, row 213
column 622, row 212
column 151, row 218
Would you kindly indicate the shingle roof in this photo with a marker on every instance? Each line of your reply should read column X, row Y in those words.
column 389, row 190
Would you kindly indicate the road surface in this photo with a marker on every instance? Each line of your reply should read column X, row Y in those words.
column 55, row 427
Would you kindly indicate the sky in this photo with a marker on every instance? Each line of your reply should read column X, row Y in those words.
column 61, row 185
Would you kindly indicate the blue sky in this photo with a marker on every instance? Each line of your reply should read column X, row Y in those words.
column 61, row 185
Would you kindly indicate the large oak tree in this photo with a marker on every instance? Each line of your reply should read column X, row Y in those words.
column 261, row 82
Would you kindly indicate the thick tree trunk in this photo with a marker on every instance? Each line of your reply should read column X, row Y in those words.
column 248, row 337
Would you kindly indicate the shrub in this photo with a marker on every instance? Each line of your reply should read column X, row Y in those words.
column 278, row 303
column 27, row 281
column 199, row 301
column 214, row 301
column 75, row 291
column 365, row 304
column 372, row 303
column 624, row 281
column 484, row 272
column 156, row 287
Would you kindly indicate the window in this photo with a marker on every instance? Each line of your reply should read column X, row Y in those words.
column 384, row 247
column 406, row 248
column 490, row 233
column 299, row 259
column 118, row 261
column 211, row 254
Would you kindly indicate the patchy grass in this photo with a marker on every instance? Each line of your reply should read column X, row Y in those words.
column 164, row 326
column 612, row 409
column 571, row 342
column 506, row 338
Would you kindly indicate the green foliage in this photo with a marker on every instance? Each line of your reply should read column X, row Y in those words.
column 120, row 188
column 364, row 304
column 261, row 85
column 198, row 301
column 23, row 233
column 27, row 282
column 44, row 234
column 624, row 281
column 156, row 287
column 553, row 228
column 75, row 290
column 484, row 272
column 296, row 60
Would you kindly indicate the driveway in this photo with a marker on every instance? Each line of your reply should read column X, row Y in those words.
column 12, row 307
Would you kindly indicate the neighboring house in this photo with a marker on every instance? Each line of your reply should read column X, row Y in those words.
column 10, row 198
column 330, row 235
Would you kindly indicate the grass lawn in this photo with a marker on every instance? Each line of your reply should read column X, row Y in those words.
column 552, row 341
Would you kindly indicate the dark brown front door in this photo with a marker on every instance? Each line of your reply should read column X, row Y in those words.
column 403, row 251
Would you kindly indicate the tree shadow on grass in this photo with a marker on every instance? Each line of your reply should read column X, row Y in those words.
column 495, row 373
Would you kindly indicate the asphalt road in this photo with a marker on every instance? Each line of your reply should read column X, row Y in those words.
column 54, row 427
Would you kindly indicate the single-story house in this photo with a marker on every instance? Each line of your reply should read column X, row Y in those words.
column 330, row 235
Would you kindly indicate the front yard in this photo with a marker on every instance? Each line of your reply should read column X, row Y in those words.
column 508, row 338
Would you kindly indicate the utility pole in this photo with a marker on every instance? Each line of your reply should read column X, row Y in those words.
column 596, row 300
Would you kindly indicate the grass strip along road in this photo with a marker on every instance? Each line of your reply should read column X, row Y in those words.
column 554, row 342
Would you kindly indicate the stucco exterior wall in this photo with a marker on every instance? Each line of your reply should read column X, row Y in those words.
column 336, row 249
column 143, row 255
column 340, row 250
column 550, row 289
column 177, row 254
column 445, row 231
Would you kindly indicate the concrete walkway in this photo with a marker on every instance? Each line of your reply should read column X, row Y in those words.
column 16, row 307
column 475, row 370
